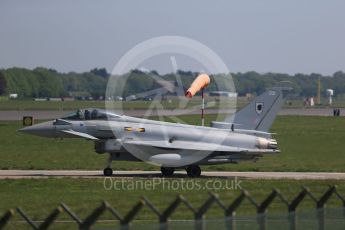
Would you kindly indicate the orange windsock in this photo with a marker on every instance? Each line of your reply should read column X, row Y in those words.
column 199, row 83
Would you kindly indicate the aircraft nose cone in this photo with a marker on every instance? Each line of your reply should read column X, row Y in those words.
column 25, row 129
column 45, row 129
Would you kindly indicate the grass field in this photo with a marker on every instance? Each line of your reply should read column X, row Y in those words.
column 40, row 196
column 307, row 144
column 72, row 105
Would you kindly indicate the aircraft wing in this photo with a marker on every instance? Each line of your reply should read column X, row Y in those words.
column 187, row 145
column 79, row 134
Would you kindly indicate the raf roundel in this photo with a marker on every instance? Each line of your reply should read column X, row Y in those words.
column 259, row 107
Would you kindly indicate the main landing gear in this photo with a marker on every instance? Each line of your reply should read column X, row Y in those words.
column 167, row 171
column 192, row 171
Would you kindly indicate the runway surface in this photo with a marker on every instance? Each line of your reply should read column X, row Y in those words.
column 28, row 174
column 45, row 115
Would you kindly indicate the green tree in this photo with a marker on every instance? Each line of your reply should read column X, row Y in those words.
column 2, row 83
column 100, row 72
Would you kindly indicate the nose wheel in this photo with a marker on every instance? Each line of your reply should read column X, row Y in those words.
column 108, row 171
column 193, row 171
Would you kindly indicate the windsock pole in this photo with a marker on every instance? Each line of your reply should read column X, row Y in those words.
column 202, row 108
column 198, row 84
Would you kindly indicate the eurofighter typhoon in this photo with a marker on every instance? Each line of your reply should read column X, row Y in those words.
column 242, row 136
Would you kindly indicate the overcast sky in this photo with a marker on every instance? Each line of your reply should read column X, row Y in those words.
column 265, row 36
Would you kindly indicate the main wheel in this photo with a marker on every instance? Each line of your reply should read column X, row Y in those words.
column 108, row 172
column 193, row 171
column 167, row 171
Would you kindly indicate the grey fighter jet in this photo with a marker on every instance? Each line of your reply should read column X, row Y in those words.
column 243, row 136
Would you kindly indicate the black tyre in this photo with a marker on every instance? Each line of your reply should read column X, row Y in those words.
column 108, row 172
column 167, row 171
column 193, row 171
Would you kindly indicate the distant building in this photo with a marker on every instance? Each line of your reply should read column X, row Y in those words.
column 222, row 94
column 40, row 99
column 13, row 95
column 131, row 98
column 68, row 99
column 249, row 95
column 54, row 99
column 118, row 98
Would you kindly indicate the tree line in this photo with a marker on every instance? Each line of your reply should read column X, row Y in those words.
column 44, row 82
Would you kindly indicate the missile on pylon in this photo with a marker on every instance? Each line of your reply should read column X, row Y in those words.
column 199, row 83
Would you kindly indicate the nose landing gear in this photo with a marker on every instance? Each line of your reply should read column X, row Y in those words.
column 108, row 171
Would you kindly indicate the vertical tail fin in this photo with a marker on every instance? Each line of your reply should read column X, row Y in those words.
column 261, row 112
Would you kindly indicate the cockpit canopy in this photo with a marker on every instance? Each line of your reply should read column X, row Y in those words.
column 90, row 114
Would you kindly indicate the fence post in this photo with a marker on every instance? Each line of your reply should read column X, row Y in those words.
column 293, row 206
column 230, row 212
column 292, row 220
column 169, row 210
column 132, row 213
column 261, row 220
column 199, row 215
column 342, row 200
column 264, row 205
column 320, row 206
column 92, row 218
column 323, row 200
column 6, row 217
column 204, row 208
column 262, row 209
column 162, row 225
column 320, row 213
column 51, row 218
